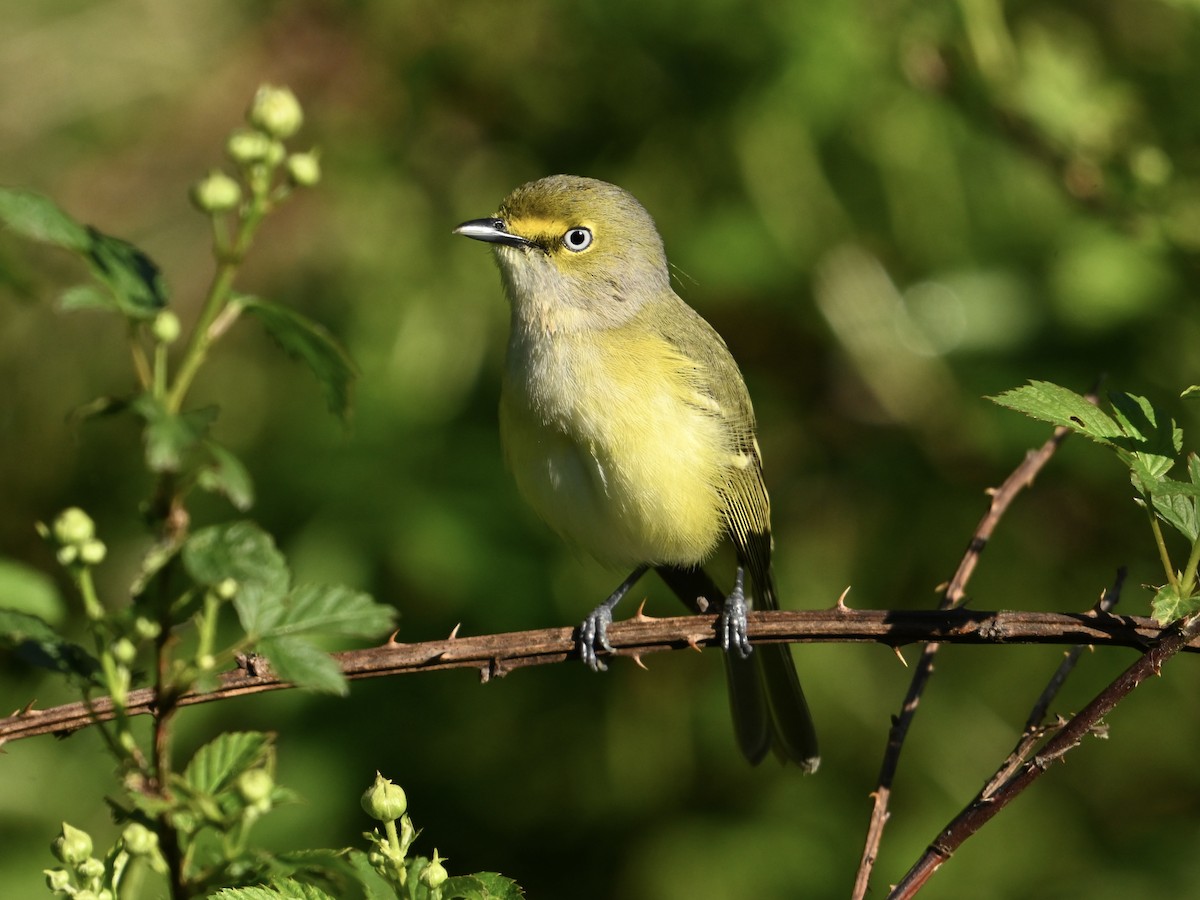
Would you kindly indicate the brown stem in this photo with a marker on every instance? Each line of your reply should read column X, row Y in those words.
column 495, row 655
column 952, row 596
column 982, row 809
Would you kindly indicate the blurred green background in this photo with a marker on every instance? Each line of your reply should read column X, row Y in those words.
column 889, row 210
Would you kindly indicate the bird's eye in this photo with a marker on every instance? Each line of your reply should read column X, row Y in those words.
column 578, row 238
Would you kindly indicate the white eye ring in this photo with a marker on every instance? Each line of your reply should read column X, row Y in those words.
column 577, row 239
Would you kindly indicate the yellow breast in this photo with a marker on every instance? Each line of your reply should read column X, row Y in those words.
column 613, row 443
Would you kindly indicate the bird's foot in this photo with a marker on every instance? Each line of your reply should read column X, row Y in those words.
column 731, row 624
column 593, row 636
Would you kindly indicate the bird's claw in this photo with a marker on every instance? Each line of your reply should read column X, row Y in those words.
column 731, row 625
column 593, row 636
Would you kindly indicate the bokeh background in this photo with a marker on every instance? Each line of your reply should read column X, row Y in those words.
column 890, row 210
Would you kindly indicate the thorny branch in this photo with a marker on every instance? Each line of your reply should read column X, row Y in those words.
column 495, row 655
column 952, row 597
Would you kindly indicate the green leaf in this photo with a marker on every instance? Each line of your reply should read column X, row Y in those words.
column 135, row 281
column 39, row 219
column 247, row 554
column 32, row 640
column 310, row 342
column 85, row 296
column 1151, row 437
column 1191, row 393
column 296, row 660
column 481, row 886
column 226, row 475
column 1178, row 507
column 168, row 436
column 283, row 890
column 1168, row 605
column 327, row 610
column 1057, row 405
column 25, row 589
column 217, row 764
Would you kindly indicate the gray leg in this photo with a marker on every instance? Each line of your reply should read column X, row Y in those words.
column 593, row 633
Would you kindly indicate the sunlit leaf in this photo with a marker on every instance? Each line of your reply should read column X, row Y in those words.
column 1168, row 605
column 328, row 610
column 243, row 552
column 296, row 660
column 1058, row 405
column 218, row 763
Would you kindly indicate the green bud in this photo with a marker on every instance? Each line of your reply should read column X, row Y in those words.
column 68, row 555
column 227, row 588
column 384, row 801
column 434, row 874
column 276, row 111
column 275, row 153
column 59, row 881
column 304, row 169
column 124, row 651
column 248, row 145
column 216, row 193
column 147, row 629
column 72, row 846
column 91, row 868
column 92, row 553
column 206, row 662
column 166, row 327
column 74, row 526
column 255, row 785
column 139, row 840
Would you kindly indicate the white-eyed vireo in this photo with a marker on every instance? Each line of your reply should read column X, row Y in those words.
column 629, row 429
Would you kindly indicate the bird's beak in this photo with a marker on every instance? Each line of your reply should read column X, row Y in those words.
column 493, row 231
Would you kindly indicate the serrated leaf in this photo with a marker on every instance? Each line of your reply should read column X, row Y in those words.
column 168, row 437
column 1168, row 605
column 247, row 554
column 306, row 340
column 1191, row 392
column 31, row 639
column 1150, row 437
column 1058, row 405
column 285, row 890
column 227, row 476
column 1177, row 509
column 217, row 764
column 296, row 660
column 481, row 886
column 40, row 219
column 327, row 610
column 135, row 281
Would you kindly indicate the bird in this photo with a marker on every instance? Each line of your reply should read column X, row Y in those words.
column 628, row 428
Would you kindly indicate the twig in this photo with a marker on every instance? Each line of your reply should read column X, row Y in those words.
column 982, row 809
column 496, row 655
column 952, row 596
column 1034, row 730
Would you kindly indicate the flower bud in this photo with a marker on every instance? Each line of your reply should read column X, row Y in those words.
column 147, row 629
column 248, row 145
column 59, row 881
column 434, row 874
column 384, row 801
column 139, row 840
column 276, row 111
column 166, row 327
column 91, row 869
column 255, row 785
column 74, row 526
column 227, row 588
column 304, row 169
column 72, row 846
column 216, row 193
column 124, row 651
column 92, row 553
column 67, row 555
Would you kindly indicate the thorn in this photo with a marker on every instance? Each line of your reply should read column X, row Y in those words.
column 485, row 674
column 691, row 640
column 991, row 492
column 454, row 632
column 637, row 658
column 391, row 641
column 640, row 615
column 900, row 656
column 841, row 601
column 941, row 587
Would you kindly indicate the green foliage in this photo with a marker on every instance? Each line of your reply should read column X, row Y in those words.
column 192, row 827
column 1149, row 443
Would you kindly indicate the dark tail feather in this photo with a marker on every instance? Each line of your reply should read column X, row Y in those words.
column 767, row 704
